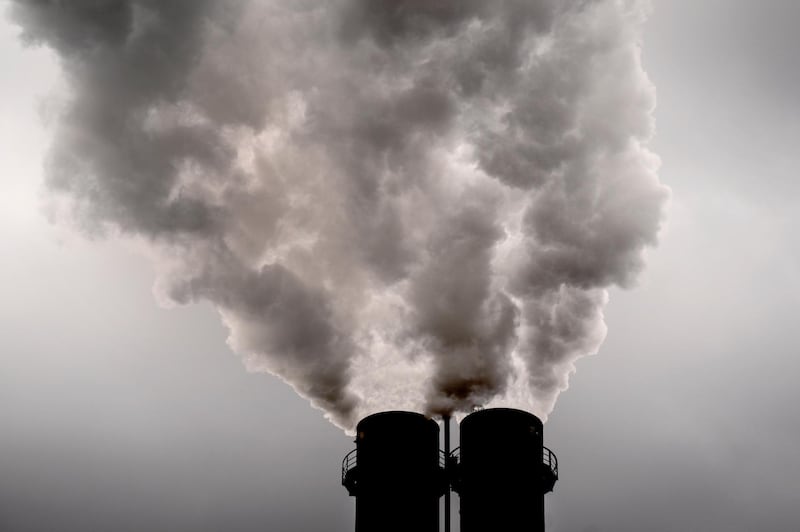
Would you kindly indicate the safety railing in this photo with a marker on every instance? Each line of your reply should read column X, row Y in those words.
column 350, row 461
column 455, row 454
column 549, row 459
column 447, row 464
column 350, row 477
column 348, row 464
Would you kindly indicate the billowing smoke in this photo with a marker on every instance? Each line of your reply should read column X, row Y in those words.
column 392, row 203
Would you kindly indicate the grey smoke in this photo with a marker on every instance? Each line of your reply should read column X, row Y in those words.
column 391, row 203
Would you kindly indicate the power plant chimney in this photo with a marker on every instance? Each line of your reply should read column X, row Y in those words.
column 501, row 472
column 396, row 473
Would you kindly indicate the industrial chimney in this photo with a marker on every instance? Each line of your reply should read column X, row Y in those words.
column 502, row 472
column 396, row 473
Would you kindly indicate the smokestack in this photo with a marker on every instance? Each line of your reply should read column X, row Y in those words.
column 395, row 473
column 502, row 472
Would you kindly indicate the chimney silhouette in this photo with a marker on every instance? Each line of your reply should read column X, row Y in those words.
column 396, row 473
column 501, row 472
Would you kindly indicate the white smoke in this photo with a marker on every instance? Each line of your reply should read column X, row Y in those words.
column 392, row 203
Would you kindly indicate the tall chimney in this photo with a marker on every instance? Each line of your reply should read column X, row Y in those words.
column 504, row 471
column 395, row 473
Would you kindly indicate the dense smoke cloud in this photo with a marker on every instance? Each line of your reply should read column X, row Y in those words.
column 392, row 203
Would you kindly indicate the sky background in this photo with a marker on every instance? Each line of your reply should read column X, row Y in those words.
column 116, row 414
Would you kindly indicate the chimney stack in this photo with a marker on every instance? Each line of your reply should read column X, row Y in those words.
column 396, row 473
column 501, row 472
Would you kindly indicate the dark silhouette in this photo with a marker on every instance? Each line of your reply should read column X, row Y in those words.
column 396, row 473
column 501, row 472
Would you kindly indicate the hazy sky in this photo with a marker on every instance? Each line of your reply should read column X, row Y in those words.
column 116, row 414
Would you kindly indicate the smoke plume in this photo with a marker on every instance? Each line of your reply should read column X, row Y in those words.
column 392, row 203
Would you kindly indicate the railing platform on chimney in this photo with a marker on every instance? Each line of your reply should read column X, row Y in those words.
column 550, row 473
column 549, row 469
column 350, row 469
column 349, row 476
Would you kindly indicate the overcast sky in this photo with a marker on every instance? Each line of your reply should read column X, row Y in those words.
column 117, row 414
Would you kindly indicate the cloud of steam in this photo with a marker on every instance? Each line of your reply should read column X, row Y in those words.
column 392, row 203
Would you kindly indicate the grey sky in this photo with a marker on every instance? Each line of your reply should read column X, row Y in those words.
column 120, row 415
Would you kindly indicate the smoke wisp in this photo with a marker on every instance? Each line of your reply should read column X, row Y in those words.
column 392, row 203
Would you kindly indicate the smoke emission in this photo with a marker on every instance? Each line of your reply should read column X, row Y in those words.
column 391, row 203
